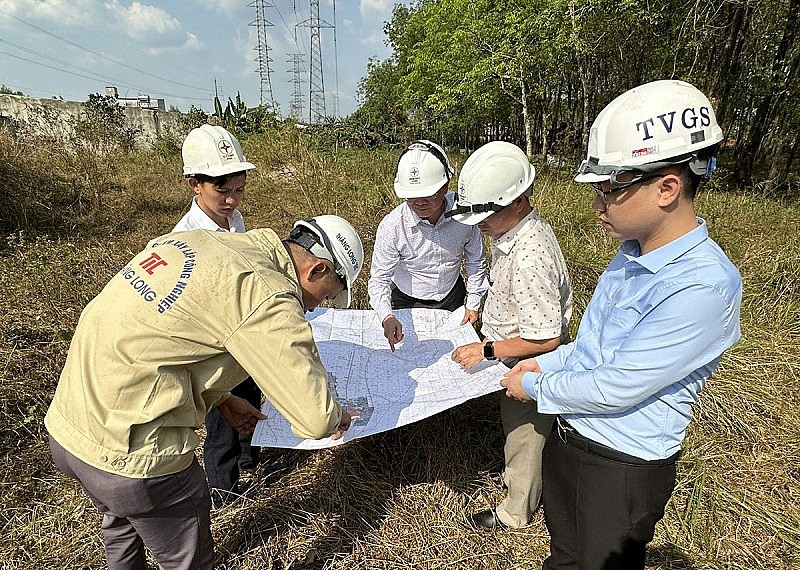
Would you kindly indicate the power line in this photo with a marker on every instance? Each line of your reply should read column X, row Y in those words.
column 105, row 79
column 42, row 30
column 120, row 39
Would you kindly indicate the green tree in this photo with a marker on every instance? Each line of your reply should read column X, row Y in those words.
column 102, row 128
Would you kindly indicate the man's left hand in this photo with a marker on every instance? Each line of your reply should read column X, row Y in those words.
column 344, row 424
column 468, row 355
column 240, row 414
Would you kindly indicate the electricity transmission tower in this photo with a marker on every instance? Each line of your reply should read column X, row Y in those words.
column 296, row 106
column 262, row 49
column 316, row 111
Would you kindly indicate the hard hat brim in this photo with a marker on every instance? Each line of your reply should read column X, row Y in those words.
column 590, row 178
column 472, row 219
column 223, row 170
column 421, row 192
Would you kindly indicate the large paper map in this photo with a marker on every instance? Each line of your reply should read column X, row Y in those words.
column 387, row 389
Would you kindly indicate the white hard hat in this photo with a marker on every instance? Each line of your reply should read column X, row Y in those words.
column 649, row 127
column 422, row 170
column 338, row 242
column 491, row 178
column 213, row 151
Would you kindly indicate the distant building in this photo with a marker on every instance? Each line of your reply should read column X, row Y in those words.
column 56, row 118
column 140, row 101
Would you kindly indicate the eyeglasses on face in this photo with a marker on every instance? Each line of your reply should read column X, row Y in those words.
column 617, row 185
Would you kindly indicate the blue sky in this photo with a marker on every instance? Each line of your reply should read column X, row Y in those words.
column 177, row 49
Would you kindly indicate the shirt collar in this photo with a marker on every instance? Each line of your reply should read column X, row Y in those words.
column 203, row 220
column 506, row 241
column 660, row 257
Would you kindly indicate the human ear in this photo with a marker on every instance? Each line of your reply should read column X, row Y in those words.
column 669, row 188
column 193, row 184
column 317, row 271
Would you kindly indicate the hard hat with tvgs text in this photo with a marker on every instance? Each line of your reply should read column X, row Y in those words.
column 649, row 127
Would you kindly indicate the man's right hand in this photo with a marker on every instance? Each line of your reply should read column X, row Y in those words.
column 344, row 424
column 392, row 330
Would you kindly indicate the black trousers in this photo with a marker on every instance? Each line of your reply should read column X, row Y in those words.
column 600, row 512
column 452, row 301
column 226, row 451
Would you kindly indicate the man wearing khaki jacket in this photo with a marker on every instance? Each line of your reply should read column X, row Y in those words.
column 186, row 320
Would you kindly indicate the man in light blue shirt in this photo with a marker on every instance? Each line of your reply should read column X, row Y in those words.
column 663, row 312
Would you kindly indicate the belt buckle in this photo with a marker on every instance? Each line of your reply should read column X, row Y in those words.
column 562, row 427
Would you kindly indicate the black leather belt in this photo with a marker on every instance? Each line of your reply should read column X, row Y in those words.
column 568, row 435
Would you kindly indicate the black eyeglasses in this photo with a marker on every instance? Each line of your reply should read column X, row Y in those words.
column 616, row 186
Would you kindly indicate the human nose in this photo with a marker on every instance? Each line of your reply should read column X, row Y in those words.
column 599, row 203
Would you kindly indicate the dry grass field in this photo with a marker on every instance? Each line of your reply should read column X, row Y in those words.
column 396, row 500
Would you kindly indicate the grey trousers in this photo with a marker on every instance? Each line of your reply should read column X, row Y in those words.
column 168, row 514
column 526, row 433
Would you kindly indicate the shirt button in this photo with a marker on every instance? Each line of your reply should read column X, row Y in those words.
column 103, row 458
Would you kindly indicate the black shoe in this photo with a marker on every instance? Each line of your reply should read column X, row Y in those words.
column 486, row 520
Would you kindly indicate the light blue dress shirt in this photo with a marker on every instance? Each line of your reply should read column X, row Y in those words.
column 652, row 335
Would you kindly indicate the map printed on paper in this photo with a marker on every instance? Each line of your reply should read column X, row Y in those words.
column 387, row 389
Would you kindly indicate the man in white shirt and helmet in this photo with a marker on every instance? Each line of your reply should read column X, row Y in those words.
column 526, row 313
column 418, row 253
column 215, row 168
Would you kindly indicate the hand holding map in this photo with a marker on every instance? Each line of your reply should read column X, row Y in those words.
column 386, row 389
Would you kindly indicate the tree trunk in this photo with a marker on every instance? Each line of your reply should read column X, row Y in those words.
column 526, row 123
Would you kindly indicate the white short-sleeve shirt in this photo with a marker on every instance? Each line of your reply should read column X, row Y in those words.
column 530, row 294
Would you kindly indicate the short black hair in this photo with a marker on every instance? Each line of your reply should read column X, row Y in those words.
column 215, row 180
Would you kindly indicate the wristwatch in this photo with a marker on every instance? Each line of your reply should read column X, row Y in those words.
column 488, row 350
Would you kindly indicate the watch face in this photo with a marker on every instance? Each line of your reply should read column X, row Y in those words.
column 488, row 350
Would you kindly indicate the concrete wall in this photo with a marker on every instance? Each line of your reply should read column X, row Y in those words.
column 56, row 118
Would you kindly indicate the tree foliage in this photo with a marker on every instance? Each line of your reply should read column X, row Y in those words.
column 536, row 72
column 240, row 119
column 101, row 127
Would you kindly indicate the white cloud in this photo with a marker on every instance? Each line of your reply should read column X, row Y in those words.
column 65, row 12
column 376, row 9
column 144, row 22
column 374, row 39
column 191, row 43
column 222, row 6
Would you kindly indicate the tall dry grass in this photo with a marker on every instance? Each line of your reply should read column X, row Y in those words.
column 395, row 500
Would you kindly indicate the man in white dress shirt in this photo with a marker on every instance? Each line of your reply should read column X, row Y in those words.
column 216, row 170
column 418, row 252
